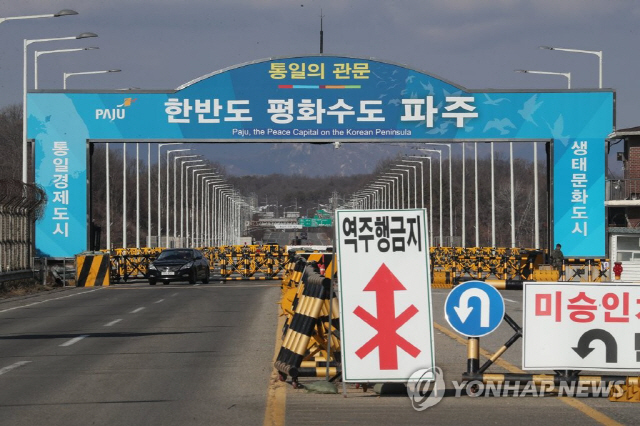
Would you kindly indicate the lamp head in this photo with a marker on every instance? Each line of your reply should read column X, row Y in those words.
column 86, row 35
column 522, row 71
column 546, row 48
column 65, row 12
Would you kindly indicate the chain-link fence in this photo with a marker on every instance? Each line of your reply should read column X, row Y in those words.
column 20, row 206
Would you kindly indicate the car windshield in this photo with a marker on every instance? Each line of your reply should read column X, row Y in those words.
column 185, row 255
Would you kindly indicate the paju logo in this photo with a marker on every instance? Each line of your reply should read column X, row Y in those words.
column 114, row 113
column 418, row 388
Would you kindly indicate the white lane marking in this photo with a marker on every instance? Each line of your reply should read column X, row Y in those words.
column 135, row 311
column 509, row 300
column 12, row 366
column 49, row 300
column 74, row 340
column 196, row 284
column 159, row 301
column 174, row 294
column 109, row 324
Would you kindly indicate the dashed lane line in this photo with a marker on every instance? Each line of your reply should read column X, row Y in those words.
column 159, row 301
column 74, row 340
column 114, row 322
column 135, row 311
column 12, row 366
column 49, row 300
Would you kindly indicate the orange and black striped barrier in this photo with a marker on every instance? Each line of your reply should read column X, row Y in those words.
column 92, row 270
column 297, row 337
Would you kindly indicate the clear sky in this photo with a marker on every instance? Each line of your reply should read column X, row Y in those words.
column 160, row 44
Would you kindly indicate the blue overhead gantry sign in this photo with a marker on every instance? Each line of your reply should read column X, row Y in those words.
column 323, row 99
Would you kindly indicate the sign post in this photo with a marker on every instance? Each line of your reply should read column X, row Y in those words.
column 385, row 294
column 576, row 326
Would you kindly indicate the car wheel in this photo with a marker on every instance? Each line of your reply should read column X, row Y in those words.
column 152, row 282
column 192, row 276
column 205, row 280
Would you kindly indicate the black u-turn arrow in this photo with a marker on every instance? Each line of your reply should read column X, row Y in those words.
column 583, row 349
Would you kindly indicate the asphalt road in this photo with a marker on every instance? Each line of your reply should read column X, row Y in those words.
column 189, row 355
column 368, row 408
column 136, row 354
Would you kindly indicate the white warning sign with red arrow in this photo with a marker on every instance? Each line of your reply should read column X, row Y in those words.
column 385, row 294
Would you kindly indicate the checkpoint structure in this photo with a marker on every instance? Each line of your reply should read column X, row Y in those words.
column 320, row 98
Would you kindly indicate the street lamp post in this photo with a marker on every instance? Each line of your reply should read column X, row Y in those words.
column 421, row 181
column 64, row 12
column 598, row 53
column 195, row 201
column 201, row 206
column 189, row 210
column 430, row 194
column 513, row 213
column 493, row 202
column 124, row 195
column 408, row 185
column 225, row 195
column 217, row 229
column 475, row 169
column 564, row 74
column 69, row 74
column 386, row 192
column 175, row 192
column 415, row 184
column 24, row 88
column 184, row 188
column 450, row 201
column 148, row 243
column 37, row 54
column 159, row 210
column 448, row 145
column 382, row 187
column 396, row 189
column 167, row 231
column 138, row 195
column 108, row 231
column 213, row 208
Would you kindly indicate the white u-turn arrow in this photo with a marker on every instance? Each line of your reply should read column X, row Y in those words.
column 463, row 310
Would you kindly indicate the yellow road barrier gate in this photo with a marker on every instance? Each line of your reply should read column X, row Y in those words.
column 230, row 262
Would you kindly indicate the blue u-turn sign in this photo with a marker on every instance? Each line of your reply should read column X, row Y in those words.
column 474, row 309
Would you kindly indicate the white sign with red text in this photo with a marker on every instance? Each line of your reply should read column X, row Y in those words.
column 385, row 294
column 581, row 326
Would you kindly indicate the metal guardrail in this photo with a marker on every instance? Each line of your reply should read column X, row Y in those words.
column 16, row 275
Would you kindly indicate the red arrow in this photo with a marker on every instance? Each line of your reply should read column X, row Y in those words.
column 385, row 284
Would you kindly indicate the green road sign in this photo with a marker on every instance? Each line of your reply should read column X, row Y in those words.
column 313, row 222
